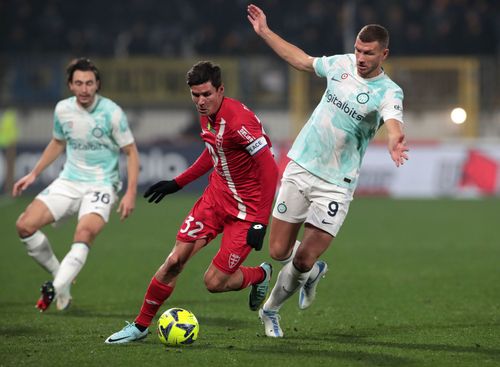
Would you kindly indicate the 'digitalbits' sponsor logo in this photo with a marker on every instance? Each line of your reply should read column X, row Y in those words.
column 344, row 106
column 81, row 145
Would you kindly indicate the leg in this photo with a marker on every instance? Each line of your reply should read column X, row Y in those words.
column 282, row 239
column 87, row 229
column 226, row 272
column 314, row 243
column 163, row 282
column 38, row 246
column 258, row 277
column 293, row 276
column 218, row 281
column 318, row 241
column 160, row 288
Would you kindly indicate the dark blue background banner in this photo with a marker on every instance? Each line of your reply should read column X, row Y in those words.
column 158, row 162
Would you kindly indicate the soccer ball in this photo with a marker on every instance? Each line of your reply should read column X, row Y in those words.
column 178, row 326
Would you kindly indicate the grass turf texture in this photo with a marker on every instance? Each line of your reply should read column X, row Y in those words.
column 411, row 283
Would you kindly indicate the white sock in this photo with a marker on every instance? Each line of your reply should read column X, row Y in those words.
column 314, row 271
column 38, row 247
column 290, row 258
column 71, row 266
column 288, row 282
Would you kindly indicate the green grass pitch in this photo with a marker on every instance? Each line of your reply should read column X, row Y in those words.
column 410, row 283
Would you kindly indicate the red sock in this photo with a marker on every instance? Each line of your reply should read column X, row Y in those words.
column 156, row 294
column 252, row 275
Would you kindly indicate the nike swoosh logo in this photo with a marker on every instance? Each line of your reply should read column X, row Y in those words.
column 286, row 290
column 335, row 80
column 325, row 222
column 115, row 340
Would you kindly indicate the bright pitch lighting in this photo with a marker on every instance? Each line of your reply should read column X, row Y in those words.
column 458, row 115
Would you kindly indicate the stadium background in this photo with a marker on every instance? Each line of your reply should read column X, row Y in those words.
column 444, row 53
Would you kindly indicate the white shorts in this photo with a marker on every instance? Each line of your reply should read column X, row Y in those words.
column 304, row 197
column 64, row 198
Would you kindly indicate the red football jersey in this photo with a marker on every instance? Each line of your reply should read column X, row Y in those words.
column 232, row 138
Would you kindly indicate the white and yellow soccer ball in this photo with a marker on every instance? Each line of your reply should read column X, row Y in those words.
column 178, row 326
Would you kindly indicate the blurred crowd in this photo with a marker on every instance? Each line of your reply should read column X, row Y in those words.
column 216, row 27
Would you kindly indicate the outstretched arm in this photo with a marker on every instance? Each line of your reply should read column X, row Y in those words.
column 396, row 142
column 127, row 204
column 288, row 52
column 53, row 150
column 201, row 166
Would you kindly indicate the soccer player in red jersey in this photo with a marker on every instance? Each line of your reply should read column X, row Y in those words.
column 237, row 201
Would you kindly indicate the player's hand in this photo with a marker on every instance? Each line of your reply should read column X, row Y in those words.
column 127, row 205
column 255, row 235
column 257, row 18
column 398, row 150
column 23, row 184
column 158, row 191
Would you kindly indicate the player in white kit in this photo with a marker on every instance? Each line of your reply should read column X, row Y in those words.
column 318, row 183
column 91, row 130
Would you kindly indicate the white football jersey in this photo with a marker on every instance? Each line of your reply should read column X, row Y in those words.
column 333, row 142
column 93, row 138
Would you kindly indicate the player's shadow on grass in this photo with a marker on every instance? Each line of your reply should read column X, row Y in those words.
column 367, row 337
column 476, row 349
column 236, row 323
column 289, row 348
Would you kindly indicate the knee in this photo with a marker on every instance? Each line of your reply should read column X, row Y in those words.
column 279, row 251
column 85, row 235
column 302, row 262
column 213, row 285
column 24, row 228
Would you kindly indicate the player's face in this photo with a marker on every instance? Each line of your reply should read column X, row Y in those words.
column 84, row 86
column 369, row 58
column 207, row 98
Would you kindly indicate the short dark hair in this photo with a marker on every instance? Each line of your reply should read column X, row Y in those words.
column 202, row 72
column 374, row 32
column 82, row 64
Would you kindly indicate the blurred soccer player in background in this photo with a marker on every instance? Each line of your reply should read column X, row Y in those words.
column 237, row 202
column 319, row 181
column 91, row 130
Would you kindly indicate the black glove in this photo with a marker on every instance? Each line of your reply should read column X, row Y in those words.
column 255, row 235
column 160, row 189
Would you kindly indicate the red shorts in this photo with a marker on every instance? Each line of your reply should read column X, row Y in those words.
column 206, row 220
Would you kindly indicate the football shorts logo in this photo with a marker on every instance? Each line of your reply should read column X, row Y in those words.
column 281, row 208
column 233, row 260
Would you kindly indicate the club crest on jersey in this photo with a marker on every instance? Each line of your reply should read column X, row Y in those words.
column 233, row 260
column 97, row 132
column 363, row 98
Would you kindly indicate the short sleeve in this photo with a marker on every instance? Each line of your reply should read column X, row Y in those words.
column 323, row 64
column 392, row 105
column 121, row 131
column 57, row 131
